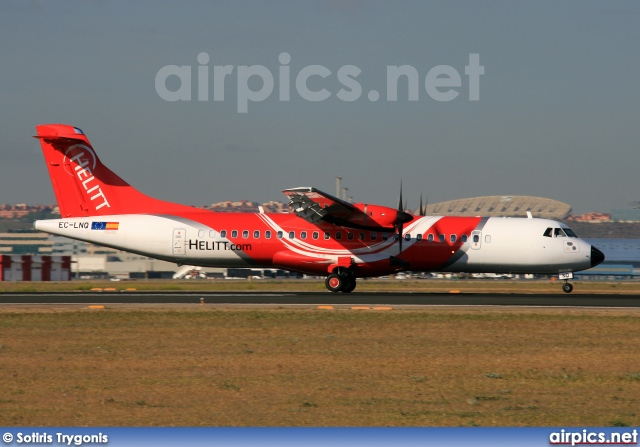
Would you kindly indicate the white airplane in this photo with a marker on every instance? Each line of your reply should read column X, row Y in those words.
column 323, row 235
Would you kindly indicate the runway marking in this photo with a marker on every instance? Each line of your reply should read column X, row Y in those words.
column 101, row 295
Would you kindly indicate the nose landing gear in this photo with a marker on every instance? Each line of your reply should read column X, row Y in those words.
column 566, row 287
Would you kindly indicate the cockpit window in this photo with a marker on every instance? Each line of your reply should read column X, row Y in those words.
column 559, row 233
column 570, row 232
column 548, row 232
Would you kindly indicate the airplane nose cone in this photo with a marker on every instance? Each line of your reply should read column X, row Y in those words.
column 596, row 256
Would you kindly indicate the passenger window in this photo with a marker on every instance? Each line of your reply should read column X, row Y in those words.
column 441, row 237
column 487, row 238
column 430, row 237
column 303, row 235
column 212, row 233
column 361, row 236
column 558, row 232
column 547, row 232
column 223, row 233
column 374, row 235
column 256, row 234
column 452, row 238
column 234, row 233
column 463, row 238
column 200, row 233
column 350, row 236
column 267, row 234
column 315, row 235
column 407, row 237
column 385, row 236
column 476, row 238
column 327, row 235
column 419, row 237
column 245, row 234
column 338, row 235
column 292, row 234
column 279, row 234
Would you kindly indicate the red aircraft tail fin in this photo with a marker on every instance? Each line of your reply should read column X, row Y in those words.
column 82, row 184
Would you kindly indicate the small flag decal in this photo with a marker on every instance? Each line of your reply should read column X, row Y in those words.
column 105, row 225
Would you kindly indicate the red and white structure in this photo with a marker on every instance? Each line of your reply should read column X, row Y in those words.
column 324, row 235
column 35, row 268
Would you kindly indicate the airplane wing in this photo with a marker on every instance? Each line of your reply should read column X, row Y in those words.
column 314, row 205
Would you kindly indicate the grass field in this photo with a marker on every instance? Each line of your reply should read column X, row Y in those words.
column 227, row 367
column 317, row 285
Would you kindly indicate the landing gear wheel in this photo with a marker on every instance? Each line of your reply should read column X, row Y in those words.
column 340, row 282
column 334, row 283
column 349, row 285
column 567, row 288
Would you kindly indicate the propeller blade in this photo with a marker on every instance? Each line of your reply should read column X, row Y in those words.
column 421, row 211
column 400, row 220
column 402, row 217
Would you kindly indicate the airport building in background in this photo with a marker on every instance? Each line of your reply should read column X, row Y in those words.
column 502, row 206
column 35, row 268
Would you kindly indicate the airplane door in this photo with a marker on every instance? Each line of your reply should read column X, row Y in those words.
column 476, row 239
column 179, row 241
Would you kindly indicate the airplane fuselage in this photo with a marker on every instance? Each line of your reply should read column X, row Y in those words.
column 323, row 235
column 430, row 243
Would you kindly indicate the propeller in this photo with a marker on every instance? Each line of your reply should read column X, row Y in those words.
column 423, row 210
column 401, row 218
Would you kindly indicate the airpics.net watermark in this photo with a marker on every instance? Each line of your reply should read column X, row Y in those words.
column 255, row 83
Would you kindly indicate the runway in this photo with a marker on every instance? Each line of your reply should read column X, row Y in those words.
column 247, row 299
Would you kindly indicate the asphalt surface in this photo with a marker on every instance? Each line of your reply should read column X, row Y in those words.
column 327, row 298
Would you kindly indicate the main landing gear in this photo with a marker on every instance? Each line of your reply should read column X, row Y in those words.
column 342, row 281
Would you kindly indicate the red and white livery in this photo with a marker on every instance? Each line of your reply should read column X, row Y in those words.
column 323, row 235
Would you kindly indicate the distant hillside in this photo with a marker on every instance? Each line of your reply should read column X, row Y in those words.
column 25, row 222
column 606, row 229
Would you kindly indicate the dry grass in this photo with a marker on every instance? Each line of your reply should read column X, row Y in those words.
column 213, row 367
